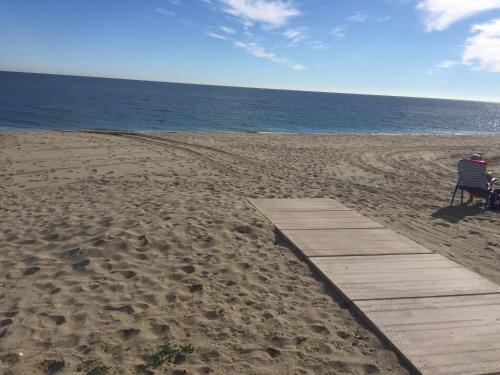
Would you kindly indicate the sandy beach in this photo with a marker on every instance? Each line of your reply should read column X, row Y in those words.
column 126, row 254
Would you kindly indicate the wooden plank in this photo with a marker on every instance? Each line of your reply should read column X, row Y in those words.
column 454, row 329
column 400, row 276
column 321, row 220
column 337, row 242
column 443, row 335
column 298, row 205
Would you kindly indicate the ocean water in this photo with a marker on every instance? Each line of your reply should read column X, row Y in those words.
column 42, row 102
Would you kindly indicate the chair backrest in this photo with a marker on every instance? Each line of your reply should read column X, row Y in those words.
column 472, row 175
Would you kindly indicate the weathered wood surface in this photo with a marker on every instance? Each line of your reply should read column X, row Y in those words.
column 446, row 335
column 321, row 220
column 441, row 317
column 400, row 276
column 337, row 242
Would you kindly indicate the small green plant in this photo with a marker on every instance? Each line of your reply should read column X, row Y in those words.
column 167, row 353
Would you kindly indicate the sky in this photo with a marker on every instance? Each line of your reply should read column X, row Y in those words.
column 427, row 48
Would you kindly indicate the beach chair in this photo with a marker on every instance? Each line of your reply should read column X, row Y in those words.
column 472, row 178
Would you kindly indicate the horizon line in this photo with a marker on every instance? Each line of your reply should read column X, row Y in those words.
column 492, row 101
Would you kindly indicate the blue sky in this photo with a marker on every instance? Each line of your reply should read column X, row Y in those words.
column 431, row 48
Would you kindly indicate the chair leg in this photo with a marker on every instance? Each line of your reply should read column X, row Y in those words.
column 462, row 197
column 487, row 203
column 453, row 196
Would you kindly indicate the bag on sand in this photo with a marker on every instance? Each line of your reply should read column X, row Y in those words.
column 495, row 200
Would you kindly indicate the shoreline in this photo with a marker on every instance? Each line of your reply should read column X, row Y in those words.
column 201, row 133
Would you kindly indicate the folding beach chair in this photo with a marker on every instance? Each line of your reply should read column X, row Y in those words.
column 472, row 179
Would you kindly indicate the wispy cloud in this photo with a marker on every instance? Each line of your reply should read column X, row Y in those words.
column 359, row 16
column 384, row 19
column 228, row 30
column 208, row 4
column 440, row 14
column 164, row 12
column 339, row 32
column 272, row 13
column 296, row 35
column 175, row 2
column 316, row 44
column 257, row 50
column 446, row 64
column 482, row 50
column 216, row 36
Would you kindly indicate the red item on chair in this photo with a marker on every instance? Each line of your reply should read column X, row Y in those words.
column 482, row 162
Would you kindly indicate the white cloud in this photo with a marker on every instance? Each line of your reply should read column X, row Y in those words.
column 257, row 50
column 384, row 19
column 164, row 12
column 445, row 64
column 296, row 35
column 273, row 13
column 316, row 44
column 209, row 2
column 482, row 51
column 270, row 14
column 227, row 30
column 216, row 36
column 175, row 2
column 440, row 14
column 358, row 17
column 339, row 32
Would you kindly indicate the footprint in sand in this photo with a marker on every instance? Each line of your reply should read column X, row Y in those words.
column 125, row 309
column 31, row 271
column 10, row 314
column 5, row 322
column 58, row 319
column 130, row 332
column 320, row 329
column 273, row 352
column 172, row 297
column 80, row 265
column 188, row 269
column 52, row 366
column 196, row 288
column 127, row 274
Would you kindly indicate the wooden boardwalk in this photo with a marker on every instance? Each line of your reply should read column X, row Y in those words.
column 440, row 317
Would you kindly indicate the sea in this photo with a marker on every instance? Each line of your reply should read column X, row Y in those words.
column 69, row 103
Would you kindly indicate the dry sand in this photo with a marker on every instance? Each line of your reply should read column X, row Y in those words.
column 110, row 245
